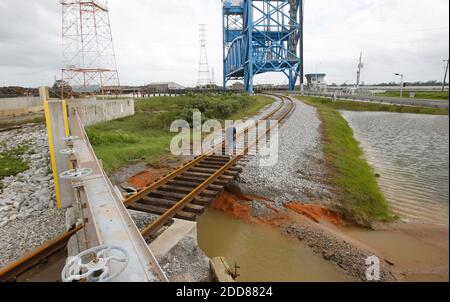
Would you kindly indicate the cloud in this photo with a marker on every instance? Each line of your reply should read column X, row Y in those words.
column 158, row 40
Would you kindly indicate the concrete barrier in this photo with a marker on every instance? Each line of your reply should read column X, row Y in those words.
column 98, row 111
column 11, row 107
column 91, row 111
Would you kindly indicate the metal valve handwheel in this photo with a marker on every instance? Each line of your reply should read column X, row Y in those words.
column 98, row 269
column 68, row 152
column 76, row 174
column 70, row 138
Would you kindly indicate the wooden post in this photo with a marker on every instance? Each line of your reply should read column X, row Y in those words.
column 221, row 270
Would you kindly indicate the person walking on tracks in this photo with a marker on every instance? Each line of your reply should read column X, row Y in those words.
column 231, row 140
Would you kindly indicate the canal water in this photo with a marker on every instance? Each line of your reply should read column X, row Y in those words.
column 261, row 251
column 411, row 154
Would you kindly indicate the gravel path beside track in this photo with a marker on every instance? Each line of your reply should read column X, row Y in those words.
column 298, row 174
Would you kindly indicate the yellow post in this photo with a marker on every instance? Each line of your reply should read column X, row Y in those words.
column 66, row 118
column 52, row 153
column 66, row 124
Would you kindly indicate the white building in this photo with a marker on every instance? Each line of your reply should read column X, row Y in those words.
column 316, row 82
column 163, row 87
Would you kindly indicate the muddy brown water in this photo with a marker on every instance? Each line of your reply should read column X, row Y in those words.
column 262, row 252
column 419, row 253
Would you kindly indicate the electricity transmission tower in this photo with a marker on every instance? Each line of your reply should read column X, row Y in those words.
column 358, row 73
column 89, row 61
column 204, row 76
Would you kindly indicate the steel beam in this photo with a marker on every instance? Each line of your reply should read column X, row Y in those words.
column 106, row 220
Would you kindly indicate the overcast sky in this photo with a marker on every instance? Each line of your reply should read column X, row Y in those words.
column 157, row 40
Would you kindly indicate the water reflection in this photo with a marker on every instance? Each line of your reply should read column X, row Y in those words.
column 411, row 153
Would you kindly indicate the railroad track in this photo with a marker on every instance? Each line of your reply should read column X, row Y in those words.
column 185, row 193
column 26, row 262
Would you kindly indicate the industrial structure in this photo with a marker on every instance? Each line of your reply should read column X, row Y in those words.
column 204, row 75
column 89, row 62
column 262, row 36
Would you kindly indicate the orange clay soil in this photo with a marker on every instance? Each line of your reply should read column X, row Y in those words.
column 147, row 177
column 315, row 212
column 229, row 202
column 151, row 174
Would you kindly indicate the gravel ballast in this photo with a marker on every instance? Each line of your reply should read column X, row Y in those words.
column 298, row 174
column 28, row 214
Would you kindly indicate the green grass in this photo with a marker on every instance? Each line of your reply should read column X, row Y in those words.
column 358, row 195
column 254, row 108
column 427, row 95
column 145, row 137
column 366, row 106
column 11, row 162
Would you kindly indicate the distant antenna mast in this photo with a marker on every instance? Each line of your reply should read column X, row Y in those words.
column 213, row 76
column 89, row 61
column 445, row 75
column 204, row 76
column 360, row 67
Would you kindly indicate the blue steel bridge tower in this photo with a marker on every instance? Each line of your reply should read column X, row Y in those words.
column 262, row 36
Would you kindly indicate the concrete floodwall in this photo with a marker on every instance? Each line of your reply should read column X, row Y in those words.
column 98, row 111
column 11, row 107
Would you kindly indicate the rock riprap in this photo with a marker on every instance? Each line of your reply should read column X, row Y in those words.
column 32, row 191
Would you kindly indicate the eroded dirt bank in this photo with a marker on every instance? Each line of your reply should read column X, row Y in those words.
column 310, row 224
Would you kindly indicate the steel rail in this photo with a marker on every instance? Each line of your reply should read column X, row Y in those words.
column 164, row 218
column 32, row 259
column 164, row 180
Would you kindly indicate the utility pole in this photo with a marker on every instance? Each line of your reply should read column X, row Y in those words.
column 445, row 76
column 401, row 83
column 213, row 76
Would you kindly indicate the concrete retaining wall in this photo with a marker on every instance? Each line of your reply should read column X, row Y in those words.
column 11, row 107
column 97, row 111
column 91, row 111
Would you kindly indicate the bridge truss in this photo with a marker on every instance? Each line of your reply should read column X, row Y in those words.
column 262, row 36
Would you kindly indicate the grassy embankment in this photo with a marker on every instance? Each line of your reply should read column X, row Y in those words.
column 358, row 195
column 426, row 95
column 146, row 136
column 11, row 162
